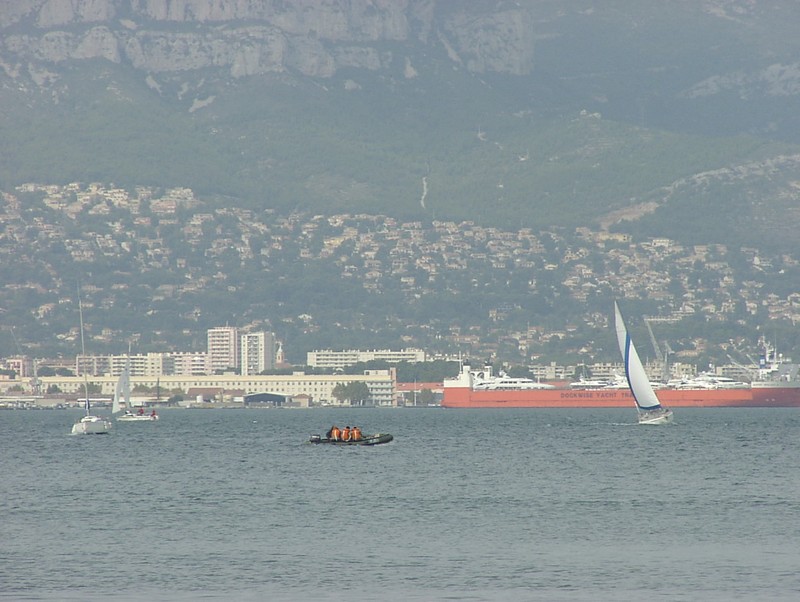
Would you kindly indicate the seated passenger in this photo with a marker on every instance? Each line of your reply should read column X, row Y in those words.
column 336, row 434
column 346, row 434
column 356, row 434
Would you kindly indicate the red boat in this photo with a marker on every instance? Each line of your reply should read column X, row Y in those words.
column 472, row 389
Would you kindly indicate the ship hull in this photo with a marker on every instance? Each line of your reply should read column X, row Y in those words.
column 465, row 397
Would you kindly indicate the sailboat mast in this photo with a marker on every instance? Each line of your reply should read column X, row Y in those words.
column 83, row 356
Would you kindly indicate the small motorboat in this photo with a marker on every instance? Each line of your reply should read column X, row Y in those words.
column 376, row 439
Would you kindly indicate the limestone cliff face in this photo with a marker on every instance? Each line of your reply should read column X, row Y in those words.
column 249, row 37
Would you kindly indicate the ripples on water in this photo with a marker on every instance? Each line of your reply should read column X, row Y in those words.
column 463, row 505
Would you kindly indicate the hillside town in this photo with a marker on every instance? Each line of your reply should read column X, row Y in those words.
column 161, row 253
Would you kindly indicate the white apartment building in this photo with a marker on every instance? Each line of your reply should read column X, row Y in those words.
column 21, row 364
column 257, row 352
column 342, row 359
column 147, row 364
column 189, row 364
column 223, row 349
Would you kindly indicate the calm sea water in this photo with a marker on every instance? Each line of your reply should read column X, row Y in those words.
column 462, row 505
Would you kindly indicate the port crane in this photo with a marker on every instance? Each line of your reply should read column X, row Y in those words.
column 659, row 353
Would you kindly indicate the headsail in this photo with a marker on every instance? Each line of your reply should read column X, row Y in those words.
column 115, row 407
column 638, row 380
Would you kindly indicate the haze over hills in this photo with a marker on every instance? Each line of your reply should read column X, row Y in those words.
column 547, row 112
column 659, row 118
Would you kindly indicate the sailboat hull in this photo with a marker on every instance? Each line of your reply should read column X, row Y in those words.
column 137, row 418
column 91, row 425
column 656, row 417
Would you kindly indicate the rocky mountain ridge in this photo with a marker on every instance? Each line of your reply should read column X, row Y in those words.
column 316, row 39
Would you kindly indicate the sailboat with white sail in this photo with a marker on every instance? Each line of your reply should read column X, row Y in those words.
column 89, row 424
column 649, row 408
column 122, row 395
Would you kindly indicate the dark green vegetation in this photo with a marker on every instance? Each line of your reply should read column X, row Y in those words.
column 357, row 393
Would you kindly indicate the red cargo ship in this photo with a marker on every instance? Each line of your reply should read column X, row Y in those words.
column 778, row 386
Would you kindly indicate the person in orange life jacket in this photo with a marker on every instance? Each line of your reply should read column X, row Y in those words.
column 355, row 434
column 346, row 434
column 336, row 434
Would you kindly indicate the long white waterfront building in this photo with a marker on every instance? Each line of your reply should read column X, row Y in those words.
column 341, row 359
column 316, row 389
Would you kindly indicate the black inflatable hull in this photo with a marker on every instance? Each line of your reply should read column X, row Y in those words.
column 376, row 439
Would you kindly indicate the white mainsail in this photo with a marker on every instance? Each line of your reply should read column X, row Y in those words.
column 638, row 381
column 122, row 392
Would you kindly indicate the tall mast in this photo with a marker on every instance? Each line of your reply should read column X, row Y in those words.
column 83, row 355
